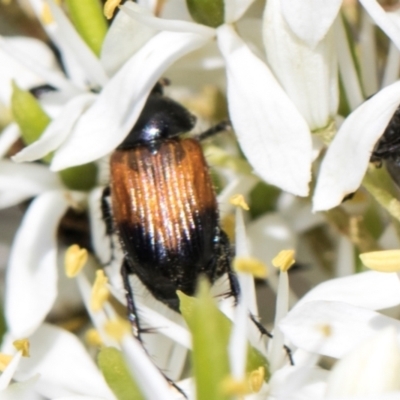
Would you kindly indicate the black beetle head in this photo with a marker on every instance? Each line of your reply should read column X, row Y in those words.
column 160, row 119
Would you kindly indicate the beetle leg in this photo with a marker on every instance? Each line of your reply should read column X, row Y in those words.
column 106, row 211
column 220, row 127
column 130, row 302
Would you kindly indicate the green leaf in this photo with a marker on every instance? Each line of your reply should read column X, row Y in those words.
column 210, row 335
column 116, row 373
column 207, row 12
column 82, row 177
column 211, row 331
column 28, row 114
column 88, row 19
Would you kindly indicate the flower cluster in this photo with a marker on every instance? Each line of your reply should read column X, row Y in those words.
column 311, row 91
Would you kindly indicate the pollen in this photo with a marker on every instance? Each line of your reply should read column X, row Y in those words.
column 228, row 225
column 109, row 8
column 100, row 292
column 22, row 345
column 75, row 259
column 256, row 379
column 251, row 266
column 382, row 261
column 47, row 16
column 239, row 201
column 5, row 359
column 326, row 330
column 117, row 328
column 93, row 338
column 284, row 260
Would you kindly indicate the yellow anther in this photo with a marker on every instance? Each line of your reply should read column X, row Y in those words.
column 382, row 261
column 109, row 8
column 100, row 292
column 326, row 330
column 256, row 379
column 93, row 338
column 228, row 225
column 117, row 328
column 47, row 16
column 233, row 387
column 284, row 260
column 251, row 266
column 75, row 259
column 5, row 359
column 22, row 345
column 239, row 201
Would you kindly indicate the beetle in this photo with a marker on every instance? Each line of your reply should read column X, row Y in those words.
column 387, row 149
column 164, row 208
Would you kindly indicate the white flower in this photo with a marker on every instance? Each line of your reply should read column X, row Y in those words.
column 304, row 61
column 348, row 155
column 278, row 147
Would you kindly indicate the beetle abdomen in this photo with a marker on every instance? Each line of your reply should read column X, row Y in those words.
column 165, row 210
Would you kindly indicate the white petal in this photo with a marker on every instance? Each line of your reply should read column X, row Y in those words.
column 372, row 290
column 57, row 131
column 310, row 20
column 19, row 182
column 79, row 398
column 118, row 106
column 148, row 377
column 273, row 229
column 30, row 62
column 308, row 326
column 84, row 67
column 383, row 20
column 372, row 368
column 8, row 373
column 234, row 9
column 100, row 240
column 368, row 56
column 8, row 137
column 134, row 11
column 348, row 155
column 64, row 365
column 308, row 75
column 22, row 390
column 31, row 284
column 115, row 51
column 271, row 132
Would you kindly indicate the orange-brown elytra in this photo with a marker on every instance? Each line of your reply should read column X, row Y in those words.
column 164, row 206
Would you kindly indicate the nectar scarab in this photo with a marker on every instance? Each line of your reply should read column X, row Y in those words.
column 164, row 208
column 387, row 149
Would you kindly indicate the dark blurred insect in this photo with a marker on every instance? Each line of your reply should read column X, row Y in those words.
column 164, row 207
column 387, row 149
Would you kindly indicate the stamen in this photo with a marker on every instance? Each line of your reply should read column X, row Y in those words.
column 5, row 359
column 22, row 345
column 234, row 387
column 117, row 328
column 100, row 292
column 93, row 338
column 47, row 16
column 251, row 266
column 239, row 201
column 75, row 259
column 326, row 330
column 109, row 8
column 284, row 260
column 382, row 261
column 256, row 379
